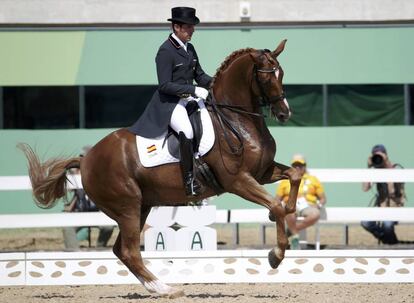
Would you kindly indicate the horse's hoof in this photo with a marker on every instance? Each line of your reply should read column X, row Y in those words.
column 271, row 217
column 274, row 261
column 163, row 290
column 176, row 293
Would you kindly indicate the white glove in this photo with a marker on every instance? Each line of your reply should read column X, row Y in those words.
column 201, row 92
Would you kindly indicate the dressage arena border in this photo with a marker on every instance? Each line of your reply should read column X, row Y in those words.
column 221, row 266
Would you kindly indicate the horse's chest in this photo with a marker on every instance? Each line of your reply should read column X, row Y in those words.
column 269, row 151
column 262, row 152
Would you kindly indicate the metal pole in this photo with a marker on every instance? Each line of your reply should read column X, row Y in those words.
column 407, row 105
column 325, row 104
column 81, row 107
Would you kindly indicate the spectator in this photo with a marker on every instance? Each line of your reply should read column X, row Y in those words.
column 311, row 198
column 388, row 195
column 80, row 202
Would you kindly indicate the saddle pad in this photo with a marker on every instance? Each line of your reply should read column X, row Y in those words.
column 152, row 152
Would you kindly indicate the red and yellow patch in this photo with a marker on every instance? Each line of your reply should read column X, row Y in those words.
column 151, row 148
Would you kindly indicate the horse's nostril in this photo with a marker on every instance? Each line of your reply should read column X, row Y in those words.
column 282, row 117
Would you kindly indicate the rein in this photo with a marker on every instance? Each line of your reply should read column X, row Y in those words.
column 225, row 121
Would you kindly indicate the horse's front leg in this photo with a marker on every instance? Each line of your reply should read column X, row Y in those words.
column 248, row 188
column 278, row 171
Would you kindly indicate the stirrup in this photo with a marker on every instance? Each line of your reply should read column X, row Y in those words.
column 192, row 188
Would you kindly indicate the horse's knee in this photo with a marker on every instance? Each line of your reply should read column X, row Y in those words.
column 295, row 176
column 290, row 209
column 277, row 211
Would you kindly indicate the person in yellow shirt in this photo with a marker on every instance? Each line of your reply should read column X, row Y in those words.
column 311, row 198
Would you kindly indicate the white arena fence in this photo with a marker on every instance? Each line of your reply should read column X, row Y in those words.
column 221, row 266
column 324, row 175
column 334, row 215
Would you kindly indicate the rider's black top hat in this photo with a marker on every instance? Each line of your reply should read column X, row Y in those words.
column 184, row 15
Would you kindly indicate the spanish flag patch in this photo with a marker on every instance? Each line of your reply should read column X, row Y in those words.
column 151, row 148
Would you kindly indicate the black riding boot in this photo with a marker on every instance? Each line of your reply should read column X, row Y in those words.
column 192, row 187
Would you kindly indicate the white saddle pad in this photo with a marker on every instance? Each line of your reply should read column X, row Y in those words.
column 152, row 153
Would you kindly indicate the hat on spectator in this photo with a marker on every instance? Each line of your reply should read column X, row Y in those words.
column 184, row 15
column 298, row 159
column 379, row 148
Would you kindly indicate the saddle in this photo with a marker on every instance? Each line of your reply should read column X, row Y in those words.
column 166, row 148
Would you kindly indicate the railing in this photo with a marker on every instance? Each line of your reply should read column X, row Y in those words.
column 346, row 175
column 335, row 215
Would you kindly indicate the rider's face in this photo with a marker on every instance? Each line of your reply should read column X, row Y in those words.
column 184, row 31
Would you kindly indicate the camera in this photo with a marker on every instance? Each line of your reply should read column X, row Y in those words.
column 377, row 161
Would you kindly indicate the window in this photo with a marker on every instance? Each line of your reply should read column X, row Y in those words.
column 61, row 107
column 115, row 106
column 365, row 105
column 41, row 107
column 306, row 105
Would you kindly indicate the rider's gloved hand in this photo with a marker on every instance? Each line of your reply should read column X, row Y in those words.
column 201, row 92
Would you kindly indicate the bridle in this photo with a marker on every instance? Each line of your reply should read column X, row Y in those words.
column 265, row 100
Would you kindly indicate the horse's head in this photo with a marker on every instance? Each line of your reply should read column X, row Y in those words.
column 269, row 75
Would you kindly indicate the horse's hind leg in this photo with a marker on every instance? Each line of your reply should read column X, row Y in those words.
column 127, row 249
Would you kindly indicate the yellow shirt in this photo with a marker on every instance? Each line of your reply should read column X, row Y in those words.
column 310, row 188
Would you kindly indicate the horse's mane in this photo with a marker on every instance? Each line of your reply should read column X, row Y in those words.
column 228, row 60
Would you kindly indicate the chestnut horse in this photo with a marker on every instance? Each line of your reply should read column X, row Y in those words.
column 242, row 159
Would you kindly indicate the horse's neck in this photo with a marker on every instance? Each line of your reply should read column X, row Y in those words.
column 234, row 83
column 234, row 88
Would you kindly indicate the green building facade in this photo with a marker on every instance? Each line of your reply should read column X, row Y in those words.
column 349, row 88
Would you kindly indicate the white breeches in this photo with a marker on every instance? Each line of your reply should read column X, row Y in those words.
column 179, row 118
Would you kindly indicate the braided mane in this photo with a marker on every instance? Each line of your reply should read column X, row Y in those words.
column 230, row 58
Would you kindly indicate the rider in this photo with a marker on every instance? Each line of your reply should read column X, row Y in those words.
column 177, row 67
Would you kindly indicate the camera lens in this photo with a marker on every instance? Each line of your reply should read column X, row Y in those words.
column 377, row 161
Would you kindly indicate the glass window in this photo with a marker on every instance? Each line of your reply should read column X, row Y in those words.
column 306, row 105
column 365, row 105
column 115, row 106
column 41, row 107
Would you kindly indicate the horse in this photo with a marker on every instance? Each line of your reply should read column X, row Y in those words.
column 242, row 160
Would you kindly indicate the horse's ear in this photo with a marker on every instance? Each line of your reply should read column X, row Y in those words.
column 279, row 49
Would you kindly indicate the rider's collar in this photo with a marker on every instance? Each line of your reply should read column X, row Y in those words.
column 177, row 42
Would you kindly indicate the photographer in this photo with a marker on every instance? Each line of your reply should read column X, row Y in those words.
column 388, row 195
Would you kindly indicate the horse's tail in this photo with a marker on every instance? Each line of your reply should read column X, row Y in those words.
column 49, row 178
